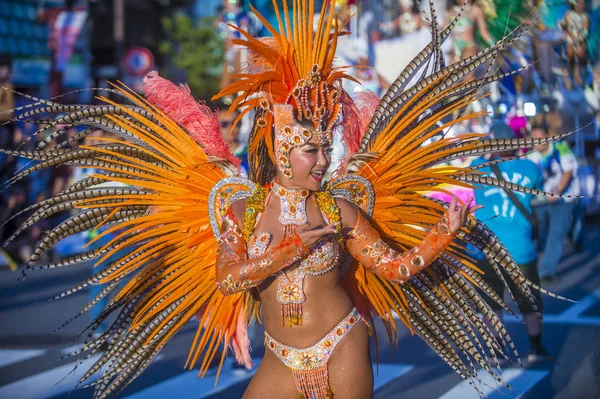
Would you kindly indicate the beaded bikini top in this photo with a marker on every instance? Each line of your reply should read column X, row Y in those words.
column 322, row 258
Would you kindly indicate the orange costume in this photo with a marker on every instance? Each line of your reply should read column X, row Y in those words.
column 187, row 253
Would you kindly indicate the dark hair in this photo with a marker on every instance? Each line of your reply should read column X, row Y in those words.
column 262, row 169
column 540, row 126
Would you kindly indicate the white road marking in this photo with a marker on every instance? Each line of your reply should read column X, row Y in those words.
column 189, row 385
column 11, row 356
column 389, row 372
column 571, row 315
column 49, row 383
column 519, row 380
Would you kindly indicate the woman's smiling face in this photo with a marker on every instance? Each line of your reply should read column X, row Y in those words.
column 309, row 164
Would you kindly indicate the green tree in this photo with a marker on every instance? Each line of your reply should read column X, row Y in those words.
column 196, row 49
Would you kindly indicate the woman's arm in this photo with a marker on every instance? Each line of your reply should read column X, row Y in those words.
column 365, row 245
column 235, row 272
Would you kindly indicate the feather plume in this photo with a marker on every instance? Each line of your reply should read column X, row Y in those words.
column 196, row 117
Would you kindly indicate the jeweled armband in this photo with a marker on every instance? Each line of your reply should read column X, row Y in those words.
column 366, row 246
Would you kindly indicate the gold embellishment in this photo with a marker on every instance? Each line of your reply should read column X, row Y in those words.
column 308, row 360
column 258, row 245
column 290, row 293
column 445, row 229
column 326, row 204
column 234, row 286
column 255, row 204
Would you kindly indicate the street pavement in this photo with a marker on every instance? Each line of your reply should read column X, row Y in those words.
column 30, row 365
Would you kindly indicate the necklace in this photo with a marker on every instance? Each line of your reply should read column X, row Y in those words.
column 293, row 204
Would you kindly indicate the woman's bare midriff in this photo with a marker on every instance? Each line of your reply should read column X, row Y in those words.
column 326, row 305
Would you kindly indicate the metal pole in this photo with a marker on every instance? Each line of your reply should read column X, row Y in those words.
column 119, row 34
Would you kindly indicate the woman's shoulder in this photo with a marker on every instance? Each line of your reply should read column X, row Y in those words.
column 238, row 208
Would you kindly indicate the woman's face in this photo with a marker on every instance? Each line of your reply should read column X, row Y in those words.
column 309, row 165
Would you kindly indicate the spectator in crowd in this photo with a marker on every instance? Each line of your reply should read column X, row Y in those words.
column 232, row 13
column 508, row 214
column 546, row 35
column 20, row 194
column 17, row 251
column 366, row 76
column 576, row 25
column 408, row 19
column 463, row 35
column 559, row 166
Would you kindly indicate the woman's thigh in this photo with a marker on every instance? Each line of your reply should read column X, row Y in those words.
column 271, row 380
column 350, row 371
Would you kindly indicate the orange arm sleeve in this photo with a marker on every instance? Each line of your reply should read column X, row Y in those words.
column 366, row 246
column 235, row 272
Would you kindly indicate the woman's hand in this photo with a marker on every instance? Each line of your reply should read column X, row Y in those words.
column 458, row 215
column 311, row 237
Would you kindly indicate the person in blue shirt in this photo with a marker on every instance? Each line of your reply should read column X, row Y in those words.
column 514, row 229
column 558, row 165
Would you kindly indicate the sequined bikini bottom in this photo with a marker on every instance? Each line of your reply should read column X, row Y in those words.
column 309, row 365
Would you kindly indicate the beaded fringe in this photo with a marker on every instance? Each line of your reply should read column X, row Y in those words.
column 292, row 313
column 313, row 383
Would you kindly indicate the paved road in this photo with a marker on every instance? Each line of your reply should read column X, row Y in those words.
column 30, row 369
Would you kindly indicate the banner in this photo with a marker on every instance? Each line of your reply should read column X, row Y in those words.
column 63, row 35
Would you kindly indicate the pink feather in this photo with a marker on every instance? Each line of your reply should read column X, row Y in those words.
column 350, row 123
column 366, row 102
column 356, row 114
column 200, row 122
column 240, row 343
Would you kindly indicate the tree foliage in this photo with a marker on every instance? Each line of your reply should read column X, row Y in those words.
column 197, row 49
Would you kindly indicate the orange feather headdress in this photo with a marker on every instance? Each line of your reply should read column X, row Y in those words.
column 294, row 68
